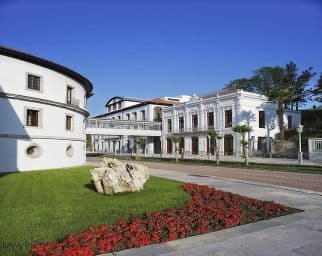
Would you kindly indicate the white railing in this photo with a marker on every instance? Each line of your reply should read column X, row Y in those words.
column 123, row 124
column 72, row 102
column 315, row 149
column 316, row 145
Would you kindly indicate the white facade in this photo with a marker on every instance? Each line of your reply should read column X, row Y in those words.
column 133, row 118
column 46, row 141
column 191, row 120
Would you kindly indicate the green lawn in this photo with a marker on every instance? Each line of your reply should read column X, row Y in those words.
column 257, row 166
column 45, row 206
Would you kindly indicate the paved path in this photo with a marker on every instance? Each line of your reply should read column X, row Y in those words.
column 296, row 180
column 296, row 234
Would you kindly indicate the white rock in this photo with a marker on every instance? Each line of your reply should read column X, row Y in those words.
column 115, row 177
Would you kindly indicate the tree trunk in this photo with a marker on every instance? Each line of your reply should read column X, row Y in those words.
column 176, row 153
column 217, row 156
column 246, row 156
column 280, row 114
column 136, row 151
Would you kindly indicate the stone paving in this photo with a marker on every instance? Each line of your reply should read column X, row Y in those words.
column 296, row 234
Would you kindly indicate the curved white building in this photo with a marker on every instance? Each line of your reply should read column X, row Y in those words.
column 43, row 113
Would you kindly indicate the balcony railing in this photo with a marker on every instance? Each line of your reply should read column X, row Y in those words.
column 191, row 129
column 73, row 102
column 123, row 124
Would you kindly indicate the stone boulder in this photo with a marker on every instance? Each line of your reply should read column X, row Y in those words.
column 115, row 177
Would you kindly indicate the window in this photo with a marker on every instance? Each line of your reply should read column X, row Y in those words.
column 169, row 146
column 119, row 105
column 33, row 151
column 228, row 118
column 143, row 115
column 85, row 101
column 194, row 122
column 261, row 119
column 194, row 145
column 181, row 123
column 135, row 116
column 109, row 108
column 69, row 95
column 114, row 106
column 33, row 82
column 169, row 123
column 261, row 143
column 157, row 115
column 127, row 116
column 32, row 118
column 210, row 119
column 69, row 151
column 181, row 145
column 289, row 122
column 69, row 123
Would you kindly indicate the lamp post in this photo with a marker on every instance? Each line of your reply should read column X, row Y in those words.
column 300, row 153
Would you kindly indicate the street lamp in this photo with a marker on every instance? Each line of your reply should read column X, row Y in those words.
column 300, row 153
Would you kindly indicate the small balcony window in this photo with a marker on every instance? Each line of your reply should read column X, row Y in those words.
column 228, row 118
column 169, row 123
column 181, row 123
column 210, row 119
column 261, row 119
column 194, row 122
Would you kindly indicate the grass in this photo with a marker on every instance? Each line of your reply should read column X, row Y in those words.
column 257, row 166
column 45, row 206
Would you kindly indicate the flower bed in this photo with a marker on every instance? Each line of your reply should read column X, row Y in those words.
column 208, row 210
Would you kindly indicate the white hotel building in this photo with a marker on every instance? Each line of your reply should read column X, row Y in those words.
column 221, row 111
column 125, row 120
column 43, row 113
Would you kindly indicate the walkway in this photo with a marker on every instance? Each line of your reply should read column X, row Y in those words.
column 289, row 179
column 291, row 235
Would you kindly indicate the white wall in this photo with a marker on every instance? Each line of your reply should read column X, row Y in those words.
column 51, row 136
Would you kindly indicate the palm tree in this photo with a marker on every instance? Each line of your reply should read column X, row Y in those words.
column 242, row 130
column 175, row 139
column 138, row 141
column 214, row 136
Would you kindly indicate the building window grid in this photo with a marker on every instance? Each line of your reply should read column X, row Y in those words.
column 169, row 125
column 228, row 118
column 181, row 123
column 210, row 119
column 69, row 120
column 34, row 82
column 261, row 119
column 32, row 118
column 194, row 122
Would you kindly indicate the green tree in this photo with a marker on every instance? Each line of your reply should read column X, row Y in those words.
column 214, row 136
column 317, row 91
column 175, row 139
column 282, row 85
column 298, row 84
column 242, row 130
column 138, row 142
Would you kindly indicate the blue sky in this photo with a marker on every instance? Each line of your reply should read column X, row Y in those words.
column 148, row 49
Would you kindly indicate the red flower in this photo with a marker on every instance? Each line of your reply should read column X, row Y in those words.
column 208, row 210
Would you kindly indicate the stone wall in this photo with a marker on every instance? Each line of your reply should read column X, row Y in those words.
column 284, row 149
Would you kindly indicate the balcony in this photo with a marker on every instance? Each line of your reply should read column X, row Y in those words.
column 123, row 124
column 73, row 102
column 189, row 130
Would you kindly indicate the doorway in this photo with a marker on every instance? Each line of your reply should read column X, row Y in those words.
column 228, row 145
